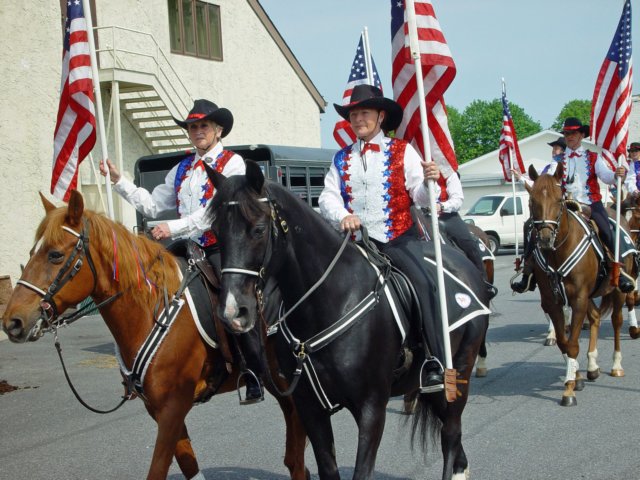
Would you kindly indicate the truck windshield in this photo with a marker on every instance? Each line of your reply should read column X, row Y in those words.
column 485, row 206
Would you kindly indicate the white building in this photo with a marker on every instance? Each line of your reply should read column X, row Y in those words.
column 155, row 58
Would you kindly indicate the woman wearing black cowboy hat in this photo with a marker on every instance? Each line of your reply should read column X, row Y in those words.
column 374, row 182
column 187, row 187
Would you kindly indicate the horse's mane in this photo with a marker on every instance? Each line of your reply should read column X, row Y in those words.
column 238, row 189
column 137, row 256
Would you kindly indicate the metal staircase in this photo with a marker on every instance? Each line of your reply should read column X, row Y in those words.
column 150, row 91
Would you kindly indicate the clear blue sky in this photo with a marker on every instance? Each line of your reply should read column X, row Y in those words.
column 549, row 52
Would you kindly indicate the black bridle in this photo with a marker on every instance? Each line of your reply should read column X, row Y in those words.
column 50, row 317
column 553, row 225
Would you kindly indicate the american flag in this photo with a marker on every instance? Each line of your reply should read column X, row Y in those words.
column 508, row 143
column 438, row 72
column 343, row 132
column 75, row 133
column 611, row 104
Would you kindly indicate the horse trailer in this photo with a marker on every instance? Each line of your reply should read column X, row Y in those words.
column 300, row 169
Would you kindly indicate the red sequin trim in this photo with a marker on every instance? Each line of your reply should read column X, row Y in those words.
column 400, row 201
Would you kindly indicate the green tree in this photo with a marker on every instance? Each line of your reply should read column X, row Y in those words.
column 575, row 108
column 477, row 130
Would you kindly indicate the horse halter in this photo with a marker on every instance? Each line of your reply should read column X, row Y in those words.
column 73, row 264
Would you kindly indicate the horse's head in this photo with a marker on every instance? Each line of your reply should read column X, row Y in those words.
column 53, row 279
column 546, row 205
column 243, row 220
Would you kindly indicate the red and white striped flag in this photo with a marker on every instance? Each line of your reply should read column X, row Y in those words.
column 439, row 70
column 611, row 104
column 342, row 132
column 75, row 133
column 509, row 143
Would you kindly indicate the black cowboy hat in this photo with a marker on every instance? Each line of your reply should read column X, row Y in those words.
column 368, row 96
column 560, row 142
column 634, row 147
column 206, row 110
column 573, row 124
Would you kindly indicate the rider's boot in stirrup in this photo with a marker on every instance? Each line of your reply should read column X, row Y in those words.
column 626, row 284
column 431, row 376
column 528, row 281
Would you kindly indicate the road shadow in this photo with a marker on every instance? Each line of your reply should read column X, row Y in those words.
column 243, row 473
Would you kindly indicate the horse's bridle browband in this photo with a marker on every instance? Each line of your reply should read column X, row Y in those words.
column 553, row 225
column 73, row 264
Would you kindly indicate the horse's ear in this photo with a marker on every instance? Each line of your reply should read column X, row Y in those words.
column 533, row 173
column 75, row 208
column 559, row 172
column 255, row 177
column 48, row 206
column 216, row 177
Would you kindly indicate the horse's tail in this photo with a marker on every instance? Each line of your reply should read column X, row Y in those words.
column 426, row 425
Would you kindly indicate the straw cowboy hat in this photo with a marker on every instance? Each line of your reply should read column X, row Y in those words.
column 206, row 110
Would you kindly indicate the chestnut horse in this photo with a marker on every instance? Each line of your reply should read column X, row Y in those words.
column 86, row 269
column 560, row 235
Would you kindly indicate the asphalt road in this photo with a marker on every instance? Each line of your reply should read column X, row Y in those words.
column 513, row 426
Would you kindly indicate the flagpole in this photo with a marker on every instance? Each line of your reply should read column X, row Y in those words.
column 513, row 181
column 618, row 199
column 367, row 57
column 415, row 54
column 98, row 99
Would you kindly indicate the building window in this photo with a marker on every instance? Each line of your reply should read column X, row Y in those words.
column 195, row 29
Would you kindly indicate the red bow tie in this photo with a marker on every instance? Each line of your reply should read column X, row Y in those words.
column 574, row 154
column 374, row 147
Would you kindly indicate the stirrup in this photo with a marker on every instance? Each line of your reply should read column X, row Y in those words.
column 249, row 401
column 432, row 388
column 520, row 288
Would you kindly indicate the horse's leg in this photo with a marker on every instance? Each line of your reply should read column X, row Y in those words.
column 631, row 301
column 617, row 320
column 169, row 415
column 551, row 333
column 481, row 364
column 593, row 369
column 572, row 349
column 370, row 418
column 317, row 423
column 185, row 456
column 296, row 436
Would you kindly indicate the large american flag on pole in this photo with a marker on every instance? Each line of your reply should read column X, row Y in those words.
column 75, row 133
column 439, row 70
column 509, row 152
column 611, row 104
column 342, row 132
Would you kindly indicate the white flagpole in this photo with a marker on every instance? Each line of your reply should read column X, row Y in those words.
column 513, row 180
column 98, row 98
column 415, row 54
column 367, row 57
column 618, row 199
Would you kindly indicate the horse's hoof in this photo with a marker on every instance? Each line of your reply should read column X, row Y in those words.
column 569, row 401
column 579, row 385
column 634, row 332
column 481, row 372
column 549, row 342
column 617, row 372
column 593, row 375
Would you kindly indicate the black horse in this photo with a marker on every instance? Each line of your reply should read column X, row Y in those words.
column 264, row 231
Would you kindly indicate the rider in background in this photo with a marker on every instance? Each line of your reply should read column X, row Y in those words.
column 448, row 205
column 581, row 171
column 188, row 188
column 528, row 281
column 374, row 182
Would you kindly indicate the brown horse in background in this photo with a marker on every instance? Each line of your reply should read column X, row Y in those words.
column 632, row 204
column 184, row 368
column 558, row 234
